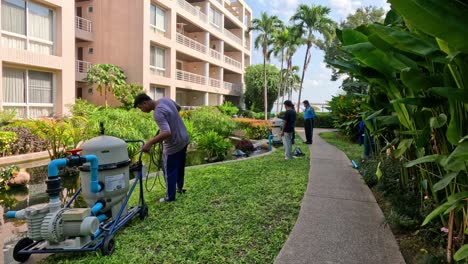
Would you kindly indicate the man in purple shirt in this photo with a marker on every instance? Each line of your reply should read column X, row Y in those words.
column 175, row 139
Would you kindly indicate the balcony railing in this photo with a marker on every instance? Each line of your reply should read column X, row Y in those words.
column 82, row 66
column 83, row 24
column 233, row 37
column 188, row 42
column 215, row 54
column 192, row 10
column 232, row 62
column 215, row 83
column 198, row 13
column 190, row 77
column 233, row 87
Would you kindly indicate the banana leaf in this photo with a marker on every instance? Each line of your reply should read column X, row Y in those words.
column 451, row 200
column 446, row 20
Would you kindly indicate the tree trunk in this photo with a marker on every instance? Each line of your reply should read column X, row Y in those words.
column 265, row 89
column 303, row 74
column 280, row 83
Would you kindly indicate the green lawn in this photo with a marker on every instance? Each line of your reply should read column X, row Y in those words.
column 352, row 150
column 239, row 212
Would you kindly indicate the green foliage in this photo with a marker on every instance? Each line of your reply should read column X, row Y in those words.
column 227, row 202
column 6, row 140
column 83, row 108
column 253, row 77
column 6, row 173
column 193, row 134
column 214, row 145
column 345, row 110
column 26, row 141
column 124, row 124
column 126, row 94
column 257, row 132
column 228, row 108
column 6, row 116
column 107, row 77
column 208, row 118
column 324, row 120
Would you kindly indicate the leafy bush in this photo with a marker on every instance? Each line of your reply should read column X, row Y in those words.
column 257, row 132
column 214, row 145
column 208, row 118
column 6, row 140
column 26, row 141
column 83, row 108
column 324, row 120
column 185, row 114
column 245, row 145
column 126, row 94
column 228, row 108
column 191, row 130
column 6, row 173
column 346, row 111
column 6, row 116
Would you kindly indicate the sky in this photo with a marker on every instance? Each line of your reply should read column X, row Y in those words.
column 317, row 86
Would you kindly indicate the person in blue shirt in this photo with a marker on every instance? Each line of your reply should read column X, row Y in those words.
column 309, row 116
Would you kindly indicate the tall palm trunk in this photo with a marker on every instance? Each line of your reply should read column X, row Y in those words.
column 280, row 83
column 306, row 62
column 265, row 88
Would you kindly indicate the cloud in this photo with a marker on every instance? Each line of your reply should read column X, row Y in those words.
column 344, row 7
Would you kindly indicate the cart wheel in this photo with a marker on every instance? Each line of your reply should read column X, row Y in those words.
column 23, row 243
column 108, row 245
column 144, row 212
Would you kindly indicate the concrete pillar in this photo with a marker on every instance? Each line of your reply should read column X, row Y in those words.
column 207, row 41
column 207, row 8
column 221, row 75
column 206, row 99
column 171, row 92
column 221, row 99
column 221, row 47
column 222, row 21
column 206, row 73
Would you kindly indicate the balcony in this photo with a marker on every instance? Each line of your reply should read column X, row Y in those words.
column 190, row 43
column 216, row 55
column 84, row 29
column 186, row 6
column 192, row 10
column 190, row 77
column 236, row 88
column 232, row 62
column 81, row 69
column 215, row 83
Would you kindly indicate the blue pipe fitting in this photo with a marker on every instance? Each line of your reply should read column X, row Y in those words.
column 102, row 218
column 270, row 141
column 96, row 208
column 54, row 166
column 93, row 160
column 10, row 214
column 354, row 164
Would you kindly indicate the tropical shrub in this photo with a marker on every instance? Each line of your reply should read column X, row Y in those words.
column 6, row 116
column 209, row 118
column 254, row 89
column 126, row 94
column 257, row 132
column 26, row 141
column 346, row 112
column 6, row 173
column 6, row 139
column 416, row 66
column 228, row 108
column 324, row 120
column 83, row 108
column 214, row 145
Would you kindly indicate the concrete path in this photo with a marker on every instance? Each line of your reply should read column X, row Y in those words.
column 339, row 221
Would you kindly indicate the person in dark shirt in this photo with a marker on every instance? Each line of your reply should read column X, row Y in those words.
column 289, row 120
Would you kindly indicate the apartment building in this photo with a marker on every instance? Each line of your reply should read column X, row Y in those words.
column 193, row 51
column 37, row 56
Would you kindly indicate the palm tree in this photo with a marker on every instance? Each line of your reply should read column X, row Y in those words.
column 265, row 26
column 313, row 19
column 293, row 43
column 280, row 40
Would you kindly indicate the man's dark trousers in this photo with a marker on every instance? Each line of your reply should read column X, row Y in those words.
column 175, row 171
column 309, row 129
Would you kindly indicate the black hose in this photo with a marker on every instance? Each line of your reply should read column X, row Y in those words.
column 156, row 159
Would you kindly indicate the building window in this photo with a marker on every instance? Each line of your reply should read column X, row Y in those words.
column 90, row 50
column 90, row 9
column 158, row 60
column 30, row 92
column 31, row 30
column 215, row 17
column 157, row 92
column 158, row 18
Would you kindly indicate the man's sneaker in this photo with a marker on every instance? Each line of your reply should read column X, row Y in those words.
column 164, row 199
column 181, row 190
